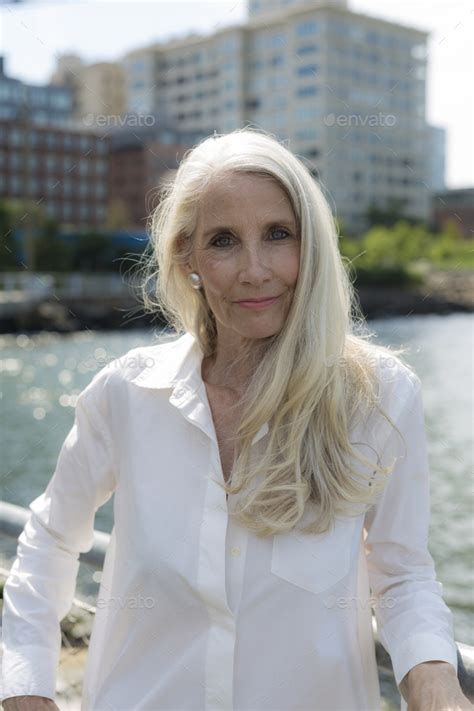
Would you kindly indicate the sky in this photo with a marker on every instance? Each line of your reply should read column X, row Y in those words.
column 34, row 34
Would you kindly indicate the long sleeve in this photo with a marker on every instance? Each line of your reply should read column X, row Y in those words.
column 40, row 587
column 414, row 623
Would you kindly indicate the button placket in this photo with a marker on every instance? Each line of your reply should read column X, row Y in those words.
column 236, row 549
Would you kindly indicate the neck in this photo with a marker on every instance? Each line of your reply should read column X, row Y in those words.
column 230, row 368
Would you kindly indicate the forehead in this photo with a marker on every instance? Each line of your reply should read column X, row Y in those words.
column 234, row 191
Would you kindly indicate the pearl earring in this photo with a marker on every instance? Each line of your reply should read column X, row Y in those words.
column 195, row 280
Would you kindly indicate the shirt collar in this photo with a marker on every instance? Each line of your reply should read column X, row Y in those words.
column 167, row 363
column 177, row 365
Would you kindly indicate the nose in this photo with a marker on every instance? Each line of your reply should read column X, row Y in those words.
column 253, row 266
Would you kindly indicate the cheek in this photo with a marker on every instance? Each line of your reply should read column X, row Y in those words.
column 290, row 266
column 217, row 276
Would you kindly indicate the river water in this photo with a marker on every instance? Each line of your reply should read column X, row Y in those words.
column 42, row 374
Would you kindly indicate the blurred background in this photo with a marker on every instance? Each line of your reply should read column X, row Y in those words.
column 100, row 100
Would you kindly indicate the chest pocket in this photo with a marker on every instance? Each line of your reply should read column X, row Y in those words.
column 315, row 562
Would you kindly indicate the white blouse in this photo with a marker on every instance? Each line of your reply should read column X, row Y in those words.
column 194, row 611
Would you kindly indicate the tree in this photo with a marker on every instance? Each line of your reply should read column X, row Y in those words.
column 387, row 216
column 26, row 217
column 118, row 215
column 92, row 252
column 51, row 251
column 8, row 258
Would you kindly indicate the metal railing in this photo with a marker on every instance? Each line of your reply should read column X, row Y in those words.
column 13, row 519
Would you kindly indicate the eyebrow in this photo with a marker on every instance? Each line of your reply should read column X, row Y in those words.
column 283, row 222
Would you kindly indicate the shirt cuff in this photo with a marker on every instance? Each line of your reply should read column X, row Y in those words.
column 420, row 648
column 30, row 671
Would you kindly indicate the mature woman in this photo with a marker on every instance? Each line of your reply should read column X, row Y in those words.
column 270, row 475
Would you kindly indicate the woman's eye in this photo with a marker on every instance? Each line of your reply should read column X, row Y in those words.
column 220, row 241
column 282, row 232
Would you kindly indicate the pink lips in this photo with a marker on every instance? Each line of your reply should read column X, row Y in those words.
column 261, row 304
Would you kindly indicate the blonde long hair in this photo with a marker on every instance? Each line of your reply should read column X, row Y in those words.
column 314, row 379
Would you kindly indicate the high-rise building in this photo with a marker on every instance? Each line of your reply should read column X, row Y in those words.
column 46, row 105
column 437, row 158
column 98, row 90
column 346, row 91
column 139, row 160
column 259, row 8
column 454, row 206
column 61, row 170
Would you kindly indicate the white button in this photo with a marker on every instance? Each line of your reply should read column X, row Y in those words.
column 235, row 550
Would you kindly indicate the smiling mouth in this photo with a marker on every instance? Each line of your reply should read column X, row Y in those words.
column 257, row 301
column 260, row 304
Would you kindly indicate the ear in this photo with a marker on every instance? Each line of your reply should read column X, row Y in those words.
column 186, row 267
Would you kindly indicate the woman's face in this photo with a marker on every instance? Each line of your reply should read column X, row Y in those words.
column 247, row 246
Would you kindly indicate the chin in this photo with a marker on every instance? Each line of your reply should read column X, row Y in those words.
column 260, row 333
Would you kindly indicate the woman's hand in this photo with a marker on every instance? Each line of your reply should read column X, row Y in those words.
column 434, row 686
column 29, row 703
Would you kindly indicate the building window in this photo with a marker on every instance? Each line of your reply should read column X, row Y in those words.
column 52, row 185
column 279, row 81
column 15, row 161
column 84, row 143
column 252, row 104
column 101, row 146
column 306, row 49
column 303, row 91
column 277, row 40
column 33, row 186
column 306, row 113
column 16, row 137
column 67, row 186
column 230, row 44
column 278, row 60
column 69, row 164
column 257, row 84
column 308, row 27
column 15, row 184
column 50, row 163
column 306, row 134
column 32, row 162
column 67, row 210
column 100, row 212
column 307, row 70
column 84, row 212
column 280, row 102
